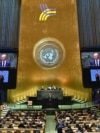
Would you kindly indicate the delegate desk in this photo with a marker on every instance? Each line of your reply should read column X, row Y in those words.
column 50, row 102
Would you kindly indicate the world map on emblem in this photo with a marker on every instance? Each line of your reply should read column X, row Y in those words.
column 48, row 53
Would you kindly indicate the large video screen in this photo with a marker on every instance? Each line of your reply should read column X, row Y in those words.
column 90, row 63
column 90, row 59
column 8, row 60
column 8, row 68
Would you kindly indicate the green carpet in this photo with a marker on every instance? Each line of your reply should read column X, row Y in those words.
column 50, row 124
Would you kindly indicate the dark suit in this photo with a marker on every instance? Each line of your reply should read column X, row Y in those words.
column 94, row 63
column 97, row 76
column 1, row 78
column 59, row 126
column 6, row 64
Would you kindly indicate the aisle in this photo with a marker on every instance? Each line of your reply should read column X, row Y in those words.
column 50, row 124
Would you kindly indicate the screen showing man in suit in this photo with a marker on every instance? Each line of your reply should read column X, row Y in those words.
column 8, row 60
column 90, row 59
column 8, row 68
column 4, row 62
column 95, row 60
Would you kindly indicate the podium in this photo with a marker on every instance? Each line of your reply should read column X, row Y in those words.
column 49, row 103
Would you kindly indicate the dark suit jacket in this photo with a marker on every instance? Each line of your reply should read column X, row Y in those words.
column 7, row 64
column 92, row 63
column 1, row 78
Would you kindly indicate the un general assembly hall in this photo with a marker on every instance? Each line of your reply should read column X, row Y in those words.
column 49, row 66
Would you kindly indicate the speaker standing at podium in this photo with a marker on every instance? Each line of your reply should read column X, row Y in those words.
column 50, row 96
column 48, row 102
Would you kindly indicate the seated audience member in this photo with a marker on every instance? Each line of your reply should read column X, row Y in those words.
column 11, row 125
column 98, row 128
column 1, row 126
column 21, row 125
column 39, row 124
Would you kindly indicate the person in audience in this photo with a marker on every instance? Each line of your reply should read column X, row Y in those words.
column 11, row 125
column 1, row 125
column 69, row 130
column 98, row 128
column 84, row 130
column 39, row 125
column 21, row 125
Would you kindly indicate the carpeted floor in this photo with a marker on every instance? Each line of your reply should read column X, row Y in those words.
column 50, row 124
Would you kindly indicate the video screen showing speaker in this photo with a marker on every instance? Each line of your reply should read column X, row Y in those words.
column 90, row 62
column 90, row 59
column 8, row 68
column 95, row 75
column 4, row 76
